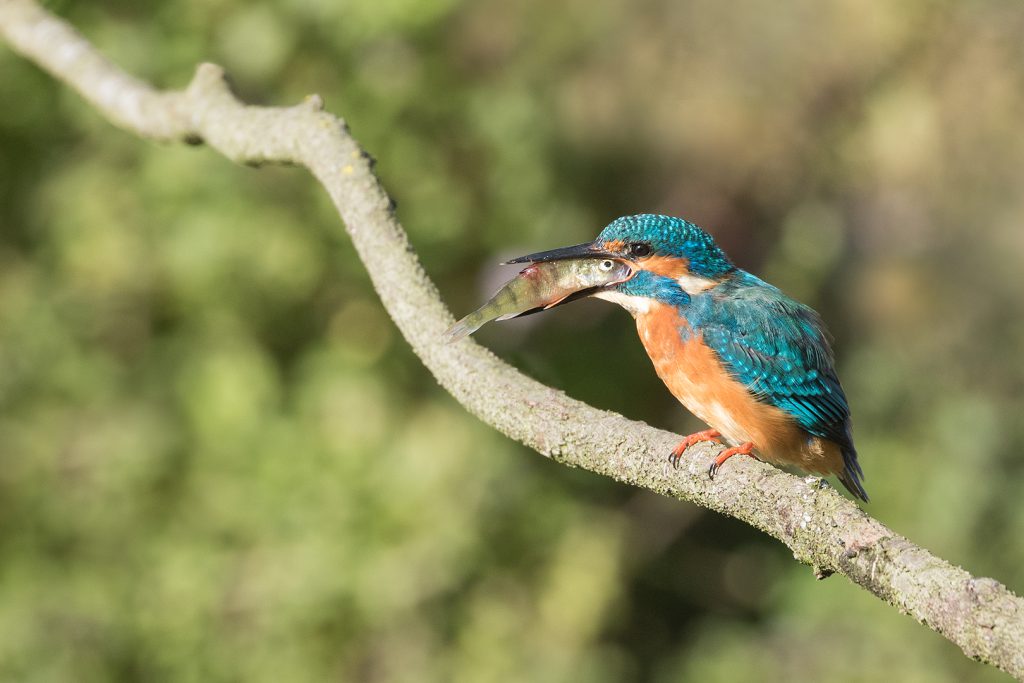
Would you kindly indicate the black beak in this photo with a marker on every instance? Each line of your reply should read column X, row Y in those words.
column 586, row 250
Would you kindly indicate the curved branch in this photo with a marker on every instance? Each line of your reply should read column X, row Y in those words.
column 822, row 528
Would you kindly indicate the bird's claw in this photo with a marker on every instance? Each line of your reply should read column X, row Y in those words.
column 713, row 469
column 675, row 456
column 677, row 453
column 716, row 464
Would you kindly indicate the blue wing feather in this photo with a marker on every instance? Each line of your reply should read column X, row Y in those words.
column 778, row 349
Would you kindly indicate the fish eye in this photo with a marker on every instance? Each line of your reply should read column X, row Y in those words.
column 639, row 249
column 607, row 264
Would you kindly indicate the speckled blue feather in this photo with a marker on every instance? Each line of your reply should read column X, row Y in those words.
column 671, row 236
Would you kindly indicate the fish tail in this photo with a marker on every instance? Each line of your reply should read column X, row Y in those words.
column 468, row 325
column 459, row 330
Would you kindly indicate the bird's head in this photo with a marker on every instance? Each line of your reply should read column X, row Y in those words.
column 672, row 259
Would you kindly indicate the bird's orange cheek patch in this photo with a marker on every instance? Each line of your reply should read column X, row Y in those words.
column 614, row 246
column 668, row 266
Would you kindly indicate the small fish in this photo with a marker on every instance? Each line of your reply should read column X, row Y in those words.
column 540, row 286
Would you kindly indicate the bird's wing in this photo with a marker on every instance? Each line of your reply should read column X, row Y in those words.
column 779, row 350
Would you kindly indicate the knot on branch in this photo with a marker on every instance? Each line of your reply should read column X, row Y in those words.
column 209, row 80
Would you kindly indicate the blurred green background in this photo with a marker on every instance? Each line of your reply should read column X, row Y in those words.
column 219, row 461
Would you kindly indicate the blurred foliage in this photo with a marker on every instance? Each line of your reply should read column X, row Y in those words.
column 219, row 461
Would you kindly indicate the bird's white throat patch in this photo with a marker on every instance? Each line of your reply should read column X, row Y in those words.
column 636, row 305
column 640, row 305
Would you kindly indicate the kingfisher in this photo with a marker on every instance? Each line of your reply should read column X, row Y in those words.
column 746, row 359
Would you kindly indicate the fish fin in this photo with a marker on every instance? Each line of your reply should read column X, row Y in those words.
column 459, row 330
column 555, row 303
column 510, row 316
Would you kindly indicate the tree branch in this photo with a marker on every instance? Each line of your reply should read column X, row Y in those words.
column 822, row 528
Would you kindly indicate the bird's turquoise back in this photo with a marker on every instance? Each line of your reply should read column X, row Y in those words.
column 779, row 350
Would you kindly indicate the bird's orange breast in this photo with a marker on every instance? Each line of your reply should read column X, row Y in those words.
column 695, row 376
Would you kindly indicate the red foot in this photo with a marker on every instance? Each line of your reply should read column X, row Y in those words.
column 677, row 453
column 743, row 449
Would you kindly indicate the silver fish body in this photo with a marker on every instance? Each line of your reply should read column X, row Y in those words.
column 542, row 285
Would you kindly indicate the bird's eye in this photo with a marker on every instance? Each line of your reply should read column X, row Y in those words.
column 607, row 264
column 639, row 250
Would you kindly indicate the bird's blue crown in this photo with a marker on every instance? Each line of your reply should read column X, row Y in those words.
column 671, row 237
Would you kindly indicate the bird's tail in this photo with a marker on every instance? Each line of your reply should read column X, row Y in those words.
column 852, row 474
